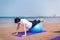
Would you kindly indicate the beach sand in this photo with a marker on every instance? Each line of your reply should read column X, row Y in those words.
column 6, row 33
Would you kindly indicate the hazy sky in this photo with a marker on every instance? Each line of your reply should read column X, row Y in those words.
column 29, row 7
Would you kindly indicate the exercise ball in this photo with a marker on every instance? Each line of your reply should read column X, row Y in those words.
column 37, row 28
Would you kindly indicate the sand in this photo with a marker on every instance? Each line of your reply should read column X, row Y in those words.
column 6, row 33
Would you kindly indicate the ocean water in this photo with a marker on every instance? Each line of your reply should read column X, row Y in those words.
column 9, row 22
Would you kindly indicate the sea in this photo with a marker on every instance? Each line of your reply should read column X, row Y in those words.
column 9, row 21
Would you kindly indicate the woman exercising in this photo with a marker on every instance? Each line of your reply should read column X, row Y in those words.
column 26, row 24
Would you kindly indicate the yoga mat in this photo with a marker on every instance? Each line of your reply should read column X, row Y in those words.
column 20, row 34
column 56, row 38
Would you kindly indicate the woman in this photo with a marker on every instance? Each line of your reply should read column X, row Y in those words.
column 26, row 24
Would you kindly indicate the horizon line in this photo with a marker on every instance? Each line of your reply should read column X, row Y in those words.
column 29, row 16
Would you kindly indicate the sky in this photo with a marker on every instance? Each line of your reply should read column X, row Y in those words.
column 29, row 7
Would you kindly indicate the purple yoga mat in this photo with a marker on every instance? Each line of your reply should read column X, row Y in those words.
column 56, row 38
column 20, row 34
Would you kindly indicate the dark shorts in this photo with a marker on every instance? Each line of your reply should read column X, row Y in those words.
column 35, row 22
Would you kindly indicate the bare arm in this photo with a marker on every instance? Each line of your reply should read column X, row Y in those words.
column 25, row 29
column 18, row 27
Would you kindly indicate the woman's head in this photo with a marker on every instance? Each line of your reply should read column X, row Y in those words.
column 17, row 20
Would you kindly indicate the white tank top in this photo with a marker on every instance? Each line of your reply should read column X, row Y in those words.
column 28, row 24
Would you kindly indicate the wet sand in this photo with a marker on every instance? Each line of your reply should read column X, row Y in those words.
column 6, row 33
